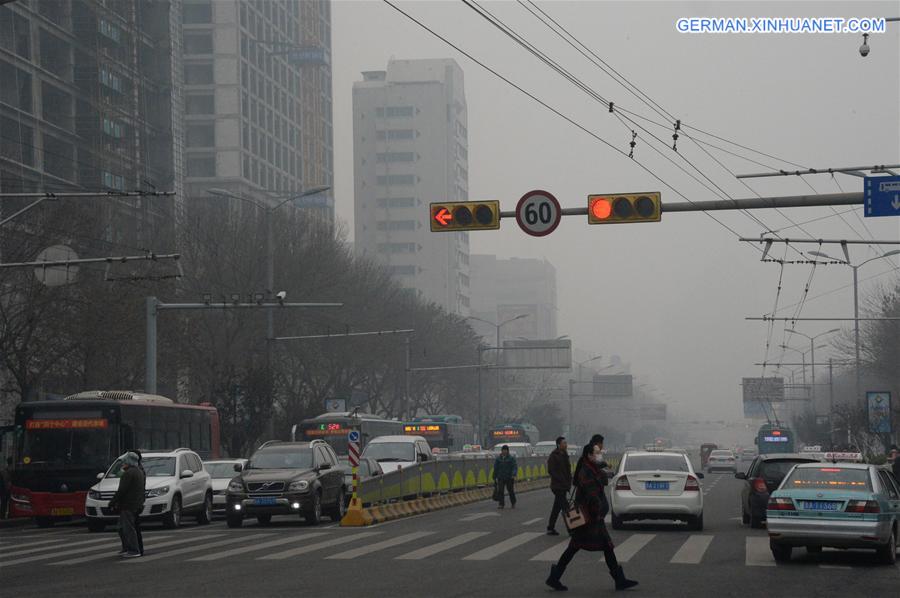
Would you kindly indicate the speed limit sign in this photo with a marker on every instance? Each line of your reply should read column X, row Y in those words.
column 538, row 213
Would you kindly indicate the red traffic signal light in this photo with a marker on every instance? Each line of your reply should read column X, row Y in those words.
column 468, row 215
column 626, row 207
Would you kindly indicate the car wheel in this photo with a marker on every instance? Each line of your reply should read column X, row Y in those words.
column 336, row 513
column 44, row 521
column 234, row 520
column 314, row 514
column 617, row 522
column 887, row 554
column 745, row 518
column 95, row 525
column 756, row 522
column 264, row 519
column 781, row 552
column 814, row 549
column 205, row 514
column 173, row 517
column 696, row 523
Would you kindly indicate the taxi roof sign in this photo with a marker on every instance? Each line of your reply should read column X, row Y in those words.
column 851, row 457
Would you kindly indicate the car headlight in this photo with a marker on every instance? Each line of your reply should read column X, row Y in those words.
column 235, row 486
column 94, row 494
column 299, row 485
column 156, row 492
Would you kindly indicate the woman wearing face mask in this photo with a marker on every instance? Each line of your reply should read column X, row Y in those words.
column 589, row 480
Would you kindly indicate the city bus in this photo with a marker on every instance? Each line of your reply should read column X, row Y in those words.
column 773, row 438
column 505, row 433
column 441, row 431
column 61, row 445
column 334, row 427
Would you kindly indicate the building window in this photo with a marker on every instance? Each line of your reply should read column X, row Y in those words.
column 464, row 280
column 198, row 12
column 15, row 34
column 396, row 248
column 389, row 157
column 201, row 134
column 397, row 179
column 201, row 104
column 198, row 74
column 403, row 270
column 395, row 134
column 198, row 42
column 396, row 225
column 17, row 95
column 16, row 141
column 396, row 202
column 110, row 79
column 399, row 111
column 113, row 128
column 201, row 165
column 109, row 30
column 113, row 181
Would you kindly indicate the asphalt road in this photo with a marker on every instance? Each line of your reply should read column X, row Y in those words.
column 474, row 550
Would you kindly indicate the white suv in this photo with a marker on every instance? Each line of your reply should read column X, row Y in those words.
column 176, row 484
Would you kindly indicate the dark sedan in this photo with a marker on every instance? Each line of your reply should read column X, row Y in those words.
column 764, row 476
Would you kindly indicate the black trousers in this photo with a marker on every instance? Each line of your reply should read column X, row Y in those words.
column 611, row 562
column 137, row 529
column 510, row 486
column 560, row 502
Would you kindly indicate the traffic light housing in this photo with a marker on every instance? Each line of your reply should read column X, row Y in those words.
column 465, row 215
column 624, row 207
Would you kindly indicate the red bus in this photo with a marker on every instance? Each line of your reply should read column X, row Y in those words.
column 61, row 445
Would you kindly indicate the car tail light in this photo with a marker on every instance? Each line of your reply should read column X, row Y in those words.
column 780, row 504
column 862, row 506
column 759, row 485
column 692, row 484
column 622, row 483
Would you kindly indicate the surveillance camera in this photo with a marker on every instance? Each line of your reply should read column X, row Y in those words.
column 281, row 295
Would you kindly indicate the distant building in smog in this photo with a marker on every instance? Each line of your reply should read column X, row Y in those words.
column 503, row 289
column 410, row 149
column 258, row 102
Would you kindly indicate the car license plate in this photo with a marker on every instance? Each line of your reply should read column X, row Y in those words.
column 264, row 502
column 656, row 485
column 819, row 505
column 62, row 511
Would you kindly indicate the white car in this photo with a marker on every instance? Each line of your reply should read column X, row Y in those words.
column 222, row 471
column 398, row 452
column 544, row 448
column 721, row 459
column 176, row 484
column 518, row 449
column 656, row 485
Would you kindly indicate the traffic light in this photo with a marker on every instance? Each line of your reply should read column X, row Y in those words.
column 624, row 207
column 465, row 215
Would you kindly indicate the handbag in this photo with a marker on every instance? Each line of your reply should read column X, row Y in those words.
column 574, row 516
column 498, row 491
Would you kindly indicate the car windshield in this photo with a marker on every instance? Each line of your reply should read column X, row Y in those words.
column 776, row 470
column 544, row 449
column 390, row 451
column 219, row 471
column 828, row 478
column 656, row 463
column 293, row 458
column 67, row 447
column 154, row 467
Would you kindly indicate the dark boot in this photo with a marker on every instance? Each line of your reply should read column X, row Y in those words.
column 622, row 582
column 553, row 581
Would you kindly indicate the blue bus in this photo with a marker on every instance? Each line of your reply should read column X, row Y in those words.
column 774, row 438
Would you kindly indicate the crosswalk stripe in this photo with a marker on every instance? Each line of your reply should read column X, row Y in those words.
column 551, row 555
column 65, row 552
column 631, row 546
column 533, row 521
column 243, row 549
column 152, row 545
column 30, row 544
column 199, row 547
column 692, row 551
column 501, row 547
column 758, row 552
column 56, row 545
column 277, row 556
column 422, row 553
column 362, row 550
column 834, row 567
column 475, row 516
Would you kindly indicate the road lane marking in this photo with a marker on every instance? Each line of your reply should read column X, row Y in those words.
column 758, row 552
column 30, row 544
column 834, row 567
column 692, row 551
column 241, row 550
column 533, row 521
column 384, row 544
column 631, row 546
column 479, row 516
column 501, row 547
column 198, row 548
column 422, row 553
column 148, row 545
column 317, row 546
column 551, row 555
column 55, row 546
column 62, row 551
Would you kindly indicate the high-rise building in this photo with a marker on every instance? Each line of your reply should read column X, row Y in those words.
column 258, row 103
column 410, row 149
column 87, row 104
column 504, row 289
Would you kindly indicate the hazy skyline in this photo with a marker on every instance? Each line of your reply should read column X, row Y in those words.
column 670, row 298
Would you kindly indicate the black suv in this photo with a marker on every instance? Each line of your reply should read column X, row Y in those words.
column 764, row 476
column 287, row 478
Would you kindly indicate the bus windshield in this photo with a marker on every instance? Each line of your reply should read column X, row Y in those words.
column 70, row 447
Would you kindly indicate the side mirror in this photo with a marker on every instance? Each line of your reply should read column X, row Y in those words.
column 324, row 466
column 238, row 467
column 700, row 475
column 187, row 473
column 741, row 475
column 100, row 475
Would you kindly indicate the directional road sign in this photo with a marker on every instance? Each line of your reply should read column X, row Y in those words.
column 538, row 213
column 882, row 195
column 353, row 436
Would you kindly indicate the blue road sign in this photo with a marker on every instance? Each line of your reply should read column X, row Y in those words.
column 353, row 436
column 882, row 195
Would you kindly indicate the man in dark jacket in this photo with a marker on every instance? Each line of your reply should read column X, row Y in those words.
column 560, row 471
column 129, row 501
column 895, row 466
column 505, row 470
